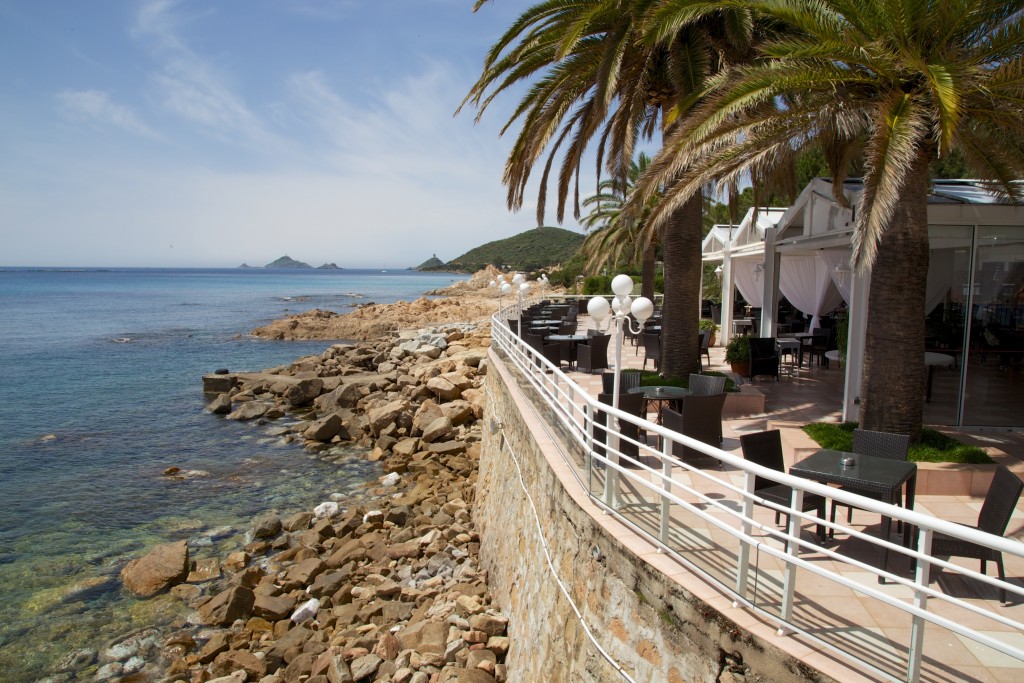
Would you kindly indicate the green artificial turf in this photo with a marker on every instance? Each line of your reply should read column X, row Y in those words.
column 933, row 447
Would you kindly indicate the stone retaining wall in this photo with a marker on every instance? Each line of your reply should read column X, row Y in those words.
column 652, row 626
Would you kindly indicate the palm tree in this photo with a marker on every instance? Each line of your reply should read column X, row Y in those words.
column 616, row 241
column 599, row 77
column 902, row 82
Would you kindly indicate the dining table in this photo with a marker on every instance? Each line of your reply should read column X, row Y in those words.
column 573, row 339
column 660, row 396
column 871, row 474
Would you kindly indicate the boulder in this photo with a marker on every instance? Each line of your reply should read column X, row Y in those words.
column 384, row 415
column 444, row 388
column 250, row 410
column 164, row 566
column 345, row 396
column 239, row 660
column 324, row 429
column 225, row 607
column 220, row 405
column 266, row 526
column 303, row 392
column 438, row 429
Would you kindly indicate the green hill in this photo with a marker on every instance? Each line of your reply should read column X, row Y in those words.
column 287, row 262
column 432, row 263
column 530, row 250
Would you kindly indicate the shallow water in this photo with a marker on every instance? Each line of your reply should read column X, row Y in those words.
column 89, row 421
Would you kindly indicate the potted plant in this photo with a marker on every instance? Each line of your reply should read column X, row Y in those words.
column 709, row 324
column 737, row 354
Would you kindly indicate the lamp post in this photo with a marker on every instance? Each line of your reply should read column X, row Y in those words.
column 621, row 306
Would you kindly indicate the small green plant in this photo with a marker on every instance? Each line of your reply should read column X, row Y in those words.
column 738, row 350
column 933, row 447
column 708, row 324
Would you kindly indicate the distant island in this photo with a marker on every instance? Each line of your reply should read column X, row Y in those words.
column 536, row 248
column 288, row 262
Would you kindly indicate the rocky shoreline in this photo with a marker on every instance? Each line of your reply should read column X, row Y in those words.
column 389, row 590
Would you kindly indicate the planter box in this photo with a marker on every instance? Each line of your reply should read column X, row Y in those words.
column 747, row 401
column 933, row 478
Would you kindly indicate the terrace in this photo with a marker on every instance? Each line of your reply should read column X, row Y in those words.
column 823, row 604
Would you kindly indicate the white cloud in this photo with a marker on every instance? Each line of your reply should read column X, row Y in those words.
column 96, row 106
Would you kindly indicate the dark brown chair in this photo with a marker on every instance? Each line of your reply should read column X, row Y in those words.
column 706, row 385
column 816, row 348
column 652, row 348
column 628, row 403
column 701, row 419
column 592, row 354
column 995, row 515
column 550, row 351
column 880, row 445
column 764, row 357
column 628, row 379
column 765, row 449
column 705, row 347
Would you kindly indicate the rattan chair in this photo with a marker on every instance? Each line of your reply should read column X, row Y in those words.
column 652, row 348
column 706, row 385
column 765, row 449
column 764, row 357
column 550, row 351
column 592, row 354
column 995, row 515
column 880, row 445
column 628, row 379
column 701, row 419
column 628, row 403
column 705, row 347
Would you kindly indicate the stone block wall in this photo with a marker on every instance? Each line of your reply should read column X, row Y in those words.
column 649, row 624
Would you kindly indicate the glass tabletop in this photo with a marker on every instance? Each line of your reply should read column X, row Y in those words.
column 866, row 471
column 655, row 391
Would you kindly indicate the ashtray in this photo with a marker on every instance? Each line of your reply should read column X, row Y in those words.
column 847, row 461
column 659, row 390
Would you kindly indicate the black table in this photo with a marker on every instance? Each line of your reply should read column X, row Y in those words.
column 869, row 474
column 660, row 395
column 574, row 339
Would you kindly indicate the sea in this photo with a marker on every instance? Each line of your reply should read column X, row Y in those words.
column 100, row 393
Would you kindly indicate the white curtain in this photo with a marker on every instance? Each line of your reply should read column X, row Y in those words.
column 940, row 277
column 843, row 281
column 807, row 283
column 749, row 280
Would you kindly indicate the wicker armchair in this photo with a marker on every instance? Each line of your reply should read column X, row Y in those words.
column 706, row 385
column 705, row 347
column 628, row 379
column 764, row 357
column 880, row 445
column 995, row 514
column 765, row 449
column 652, row 348
column 593, row 354
column 550, row 351
column 628, row 403
column 701, row 419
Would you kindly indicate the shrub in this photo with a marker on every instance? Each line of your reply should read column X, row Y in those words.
column 597, row 284
column 738, row 350
column 933, row 447
column 708, row 324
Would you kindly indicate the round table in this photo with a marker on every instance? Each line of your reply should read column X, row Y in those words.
column 661, row 395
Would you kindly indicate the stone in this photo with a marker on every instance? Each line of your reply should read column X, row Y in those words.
column 220, row 405
column 444, row 388
column 326, row 510
column 324, row 429
column 307, row 610
column 237, row 677
column 381, row 417
column 453, row 674
column 266, row 526
column 204, row 570
column 298, row 522
column 491, row 625
column 424, row 636
column 345, row 396
column 163, row 567
column 227, row 606
column 217, row 643
column 273, row 608
column 438, row 429
column 303, row 392
column 233, row 661
column 365, row 666
column 250, row 410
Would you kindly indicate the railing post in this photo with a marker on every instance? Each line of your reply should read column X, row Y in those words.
column 915, row 651
column 666, row 471
column 588, row 460
column 793, row 549
column 743, row 562
column 611, row 441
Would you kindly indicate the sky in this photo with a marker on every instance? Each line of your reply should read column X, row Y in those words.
column 182, row 133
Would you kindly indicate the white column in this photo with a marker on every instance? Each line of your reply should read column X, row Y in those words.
column 770, row 305
column 855, row 345
column 728, row 293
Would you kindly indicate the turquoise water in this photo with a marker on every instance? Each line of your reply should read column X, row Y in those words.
column 88, row 424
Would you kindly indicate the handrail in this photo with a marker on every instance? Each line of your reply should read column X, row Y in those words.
column 573, row 410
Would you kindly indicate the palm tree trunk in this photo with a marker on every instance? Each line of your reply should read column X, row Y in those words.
column 681, row 242
column 648, row 271
column 892, row 398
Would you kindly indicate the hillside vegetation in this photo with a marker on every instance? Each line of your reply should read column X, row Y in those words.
column 530, row 250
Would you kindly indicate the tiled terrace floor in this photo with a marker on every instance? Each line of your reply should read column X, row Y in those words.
column 875, row 631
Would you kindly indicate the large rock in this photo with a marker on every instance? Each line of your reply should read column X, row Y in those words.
column 220, row 405
column 345, row 396
column 438, row 429
column 424, row 636
column 303, row 392
column 444, row 388
column 324, row 429
column 386, row 414
column 227, row 606
column 164, row 566
column 250, row 410
column 266, row 526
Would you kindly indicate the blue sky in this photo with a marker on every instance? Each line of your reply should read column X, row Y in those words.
column 187, row 133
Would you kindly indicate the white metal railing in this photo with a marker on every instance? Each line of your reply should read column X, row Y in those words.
column 668, row 511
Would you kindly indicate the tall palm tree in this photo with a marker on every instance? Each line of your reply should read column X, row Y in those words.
column 613, row 240
column 599, row 78
column 903, row 81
